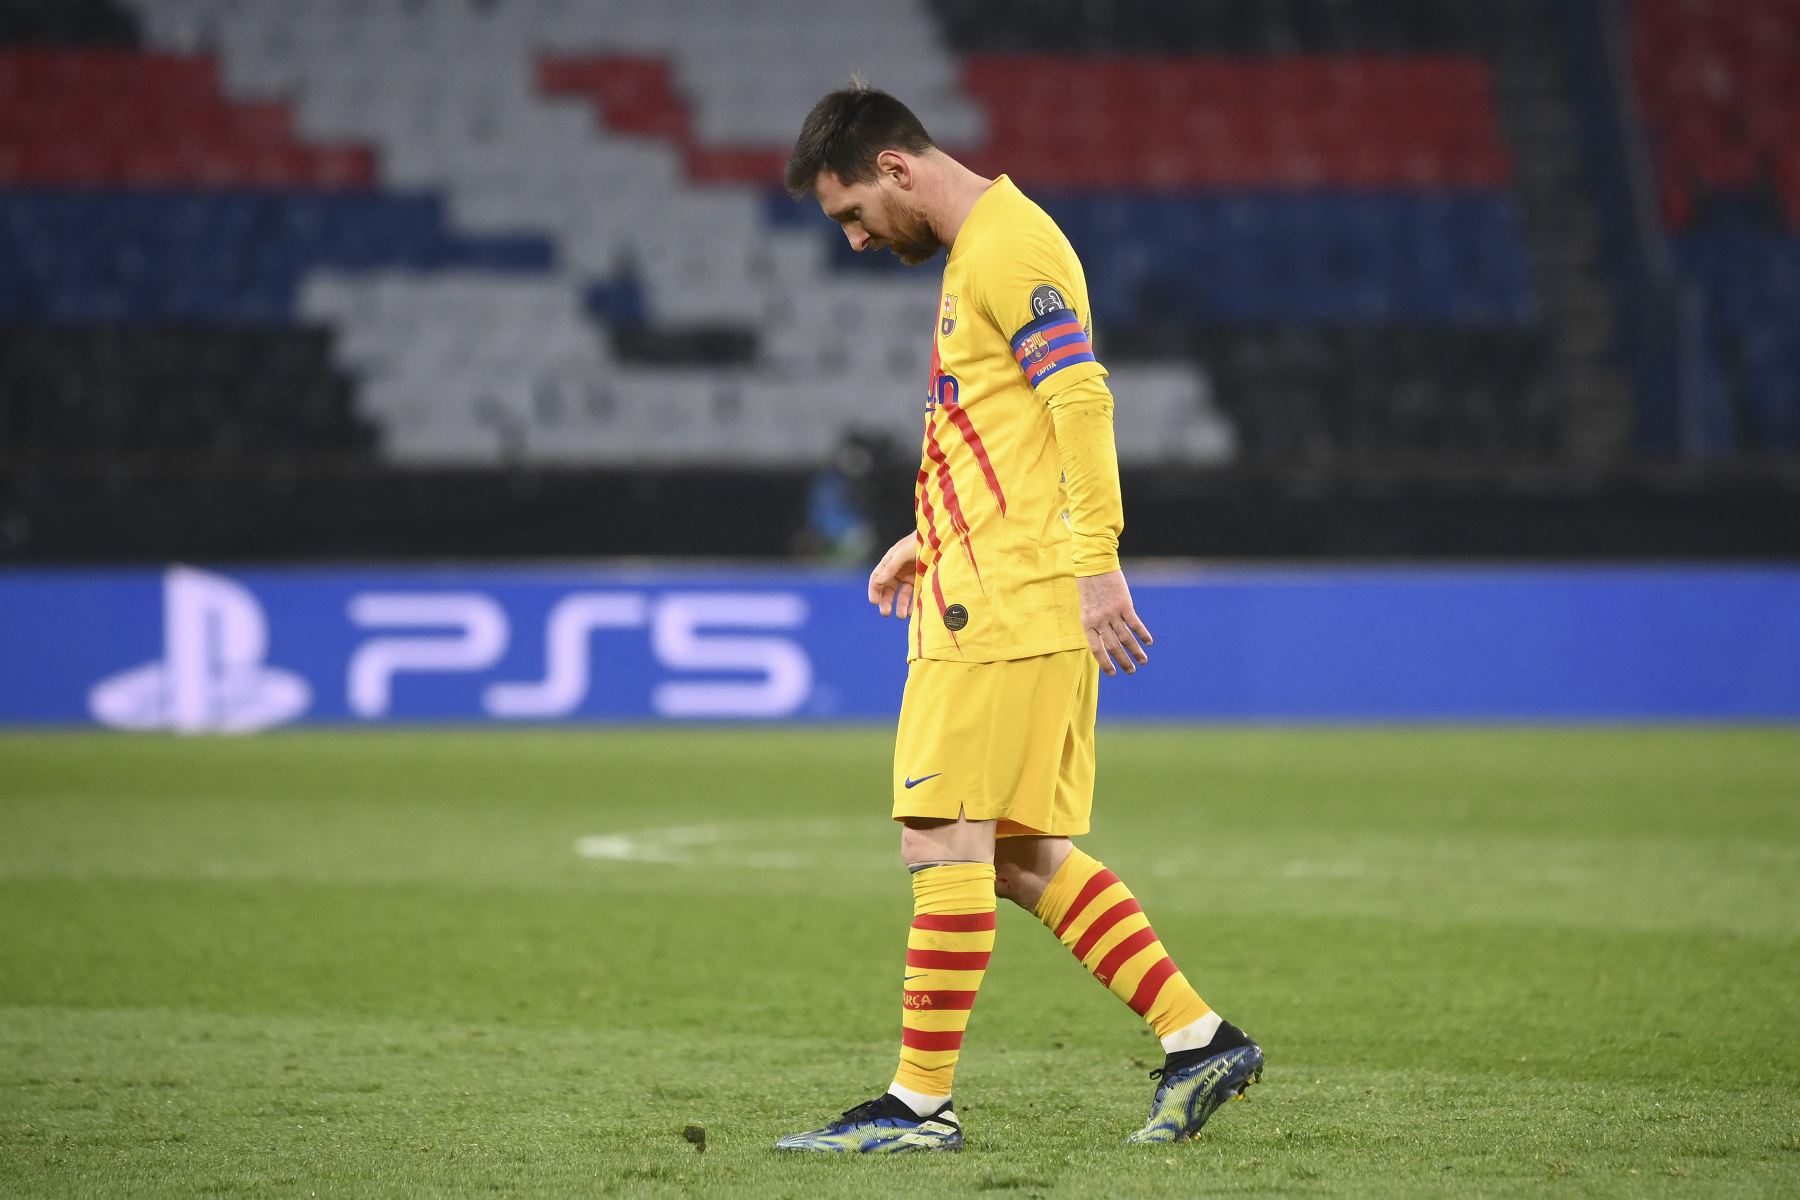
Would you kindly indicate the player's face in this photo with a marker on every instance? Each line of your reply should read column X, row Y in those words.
column 877, row 216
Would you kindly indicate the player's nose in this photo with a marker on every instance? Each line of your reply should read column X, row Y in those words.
column 858, row 238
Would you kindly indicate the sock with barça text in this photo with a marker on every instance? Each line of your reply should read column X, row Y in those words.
column 1098, row 919
column 946, row 956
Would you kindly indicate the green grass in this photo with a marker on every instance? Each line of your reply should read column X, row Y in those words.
column 1482, row 962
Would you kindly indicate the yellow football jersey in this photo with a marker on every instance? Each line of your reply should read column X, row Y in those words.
column 995, row 575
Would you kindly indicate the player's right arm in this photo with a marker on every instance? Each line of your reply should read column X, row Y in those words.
column 891, row 582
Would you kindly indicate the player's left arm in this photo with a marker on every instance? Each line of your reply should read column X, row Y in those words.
column 1083, row 415
column 1028, row 294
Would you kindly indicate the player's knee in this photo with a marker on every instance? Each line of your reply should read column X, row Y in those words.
column 917, row 845
column 1012, row 884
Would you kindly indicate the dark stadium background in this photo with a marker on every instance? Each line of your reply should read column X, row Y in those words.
column 1387, row 279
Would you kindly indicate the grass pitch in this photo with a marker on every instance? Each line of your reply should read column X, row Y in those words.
column 1482, row 962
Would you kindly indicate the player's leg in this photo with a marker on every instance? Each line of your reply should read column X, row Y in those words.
column 947, row 949
column 1024, row 865
column 950, row 855
column 1094, row 914
column 1207, row 1060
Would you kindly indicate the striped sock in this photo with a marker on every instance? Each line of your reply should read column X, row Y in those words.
column 946, row 956
column 1095, row 916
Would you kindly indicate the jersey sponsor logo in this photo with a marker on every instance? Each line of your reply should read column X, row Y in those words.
column 943, row 388
column 947, row 317
column 1046, row 299
column 913, row 783
column 955, row 618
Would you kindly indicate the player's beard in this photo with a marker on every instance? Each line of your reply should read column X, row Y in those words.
column 913, row 241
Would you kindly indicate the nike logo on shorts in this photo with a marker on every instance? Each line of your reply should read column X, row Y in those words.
column 913, row 783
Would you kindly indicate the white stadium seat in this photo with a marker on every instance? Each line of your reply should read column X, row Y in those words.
column 464, row 365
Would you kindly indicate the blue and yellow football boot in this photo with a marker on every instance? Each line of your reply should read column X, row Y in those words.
column 1194, row 1083
column 884, row 1125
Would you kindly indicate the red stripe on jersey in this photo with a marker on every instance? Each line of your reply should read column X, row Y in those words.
column 960, row 418
column 952, row 505
column 923, row 496
column 1123, row 953
column 976, row 922
column 937, row 591
column 931, row 1039
column 1093, row 887
column 918, row 570
column 946, row 485
column 939, row 1001
column 922, row 501
column 1038, row 369
column 948, row 960
column 1152, row 986
column 1105, row 921
column 918, row 624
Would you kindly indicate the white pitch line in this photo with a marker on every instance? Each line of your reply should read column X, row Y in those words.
column 672, row 844
column 741, row 844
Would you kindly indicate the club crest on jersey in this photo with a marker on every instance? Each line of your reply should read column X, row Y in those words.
column 947, row 319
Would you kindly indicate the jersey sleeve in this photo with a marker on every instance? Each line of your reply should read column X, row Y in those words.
column 1083, row 416
column 1026, row 290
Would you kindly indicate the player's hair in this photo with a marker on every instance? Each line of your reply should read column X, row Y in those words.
column 846, row 130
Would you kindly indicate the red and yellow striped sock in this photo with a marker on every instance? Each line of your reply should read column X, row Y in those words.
column 1096, row 917
column 946, row 956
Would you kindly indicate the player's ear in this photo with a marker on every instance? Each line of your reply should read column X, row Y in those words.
column 894, row 167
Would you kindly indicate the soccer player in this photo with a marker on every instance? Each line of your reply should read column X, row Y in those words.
column 1012, row 584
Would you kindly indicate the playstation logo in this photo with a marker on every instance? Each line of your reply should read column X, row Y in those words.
column 213, row 677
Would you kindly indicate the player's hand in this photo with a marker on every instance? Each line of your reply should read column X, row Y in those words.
column 1115, row 635
column 891, row 582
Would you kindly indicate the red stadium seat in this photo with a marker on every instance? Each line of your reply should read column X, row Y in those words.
column 1301, row 122
column 1716, row 84
column 119, row 118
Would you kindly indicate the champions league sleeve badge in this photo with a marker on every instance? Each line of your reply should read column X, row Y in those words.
column 1046, row 299
column 947, row 320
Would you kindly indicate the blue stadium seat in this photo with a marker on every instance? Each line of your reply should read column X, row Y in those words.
column 232, row 257
column 1750, row 279
column 1312, row 258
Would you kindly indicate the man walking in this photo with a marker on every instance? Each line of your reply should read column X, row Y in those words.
column 1011, row 581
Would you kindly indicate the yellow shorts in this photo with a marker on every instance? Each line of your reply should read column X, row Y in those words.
column 1009, row 741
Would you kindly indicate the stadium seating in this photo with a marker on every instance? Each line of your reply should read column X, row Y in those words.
column 135, row 390
column 224, row 257
column 114, row 118
column 551, row 231
column 1256, row 28
column 1716, row 82
column 1182, row 124
column 90, row 23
